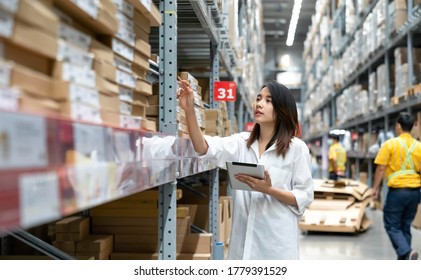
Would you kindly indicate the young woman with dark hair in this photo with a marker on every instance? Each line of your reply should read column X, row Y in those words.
column 265, row 220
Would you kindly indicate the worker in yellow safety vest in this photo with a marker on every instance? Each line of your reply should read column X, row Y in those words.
column 399, row 158
column 337, row 158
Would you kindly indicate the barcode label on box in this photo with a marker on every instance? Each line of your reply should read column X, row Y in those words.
column 125, row 79
column 79, row 75
column 6, row 24
column 4, row 74
column 126, row 35
column 122, row 64
column 84, row 95
column 68, row 53
column 130, row 122
column 9, row 98
column 9, row 5
column 125, row 108
column 88, row 6
column 125, row 21
column 123, row 50
column 147, row 4
column 74, row 36
column 39, row 198
column 85, row 113
column 124, row 7
column 125, row 94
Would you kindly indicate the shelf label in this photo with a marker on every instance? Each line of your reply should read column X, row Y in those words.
column 6, row 24
column 89, row 141
column 23, row 141
column 225, row 91
column 39, row 198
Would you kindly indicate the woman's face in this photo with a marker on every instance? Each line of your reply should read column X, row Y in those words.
column 263, row 109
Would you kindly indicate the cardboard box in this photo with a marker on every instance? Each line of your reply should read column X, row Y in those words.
column 150, row 11
column 80, row 112
column 149, row 125
column 71, row 92
column 37, row 15
column 337, row 207
column 141, row 61
column 143, row 87
column 106, row 87
column 40, row 105
column 102, row 52
column 109, row 103
column 25, row 57
column 27, row 79
column 73, row 224
column 142, row 21
column 101, row 19
column 143, row 48
column 95, row 243
column 68, row 72
column 25, row 35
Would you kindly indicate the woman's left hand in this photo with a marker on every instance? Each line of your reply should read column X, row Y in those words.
column 260, row 185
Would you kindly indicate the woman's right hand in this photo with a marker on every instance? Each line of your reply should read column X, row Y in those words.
column 185, row 95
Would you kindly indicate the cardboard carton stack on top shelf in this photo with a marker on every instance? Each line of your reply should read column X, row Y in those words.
column 89, row 61
column 338, row 207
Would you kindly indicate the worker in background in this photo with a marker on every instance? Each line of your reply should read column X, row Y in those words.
column 265, row 221
column 399, row 158
column 337, row 158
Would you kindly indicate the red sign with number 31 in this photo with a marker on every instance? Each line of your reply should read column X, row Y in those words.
column 225, row 91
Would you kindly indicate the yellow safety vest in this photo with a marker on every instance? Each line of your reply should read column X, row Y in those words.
column 407, row 160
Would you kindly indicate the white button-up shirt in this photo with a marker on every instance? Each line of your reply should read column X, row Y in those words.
column 262, row 226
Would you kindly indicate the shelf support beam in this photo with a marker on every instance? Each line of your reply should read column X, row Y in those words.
column 167, row 204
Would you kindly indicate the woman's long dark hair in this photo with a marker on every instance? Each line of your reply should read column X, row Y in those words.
column 286, row 124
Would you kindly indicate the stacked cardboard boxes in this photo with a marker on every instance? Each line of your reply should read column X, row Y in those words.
column 133, row 222
column 72, row 235
column 338, row 207
column 89, row 61
column 402, row 70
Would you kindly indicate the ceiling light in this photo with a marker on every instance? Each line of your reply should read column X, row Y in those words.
column 293, row 22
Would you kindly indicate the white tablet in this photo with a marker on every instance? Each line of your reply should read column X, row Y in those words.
column 252, row 169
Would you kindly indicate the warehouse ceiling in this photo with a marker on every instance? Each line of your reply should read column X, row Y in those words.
column 276, row 18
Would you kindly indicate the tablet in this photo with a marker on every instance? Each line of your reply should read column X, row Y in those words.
column 252, row 169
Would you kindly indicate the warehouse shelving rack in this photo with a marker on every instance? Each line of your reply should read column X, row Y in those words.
column 382, row 118
column 21, row 208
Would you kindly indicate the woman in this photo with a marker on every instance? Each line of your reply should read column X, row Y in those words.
column 265, row 221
